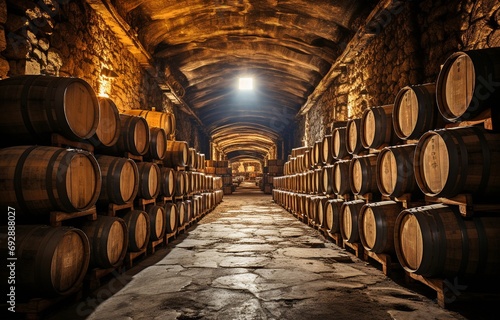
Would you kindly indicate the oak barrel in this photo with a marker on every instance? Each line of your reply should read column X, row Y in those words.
column 108, row 128
column 327, row 154
column 460, row 160
column 172, row 219
column 317, row 153
column 395, row 175
column 37, row 180
column 138, row 226
column 180, row 183
column 149, row 180
column 167, row 182
column 158, row 223
column 415, row 111
column 376, row 225
column 376, row 127
column 157, row 144
column 134, row 136
column 339, row 143
column 468, row 84
column 108, row 239
column 120, row 179
column 51, row 261
column 164, row 120
column 436, row 241
column 181, row 213
column 349, row 222
column 341, row 174
column 177, row 154
column 353, row 136
column 363, row 174
column 34, row 106
column 332, row 215
column 327, row 179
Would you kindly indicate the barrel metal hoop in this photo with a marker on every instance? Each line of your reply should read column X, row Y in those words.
column 24, row 105
column 485, row 176
column 454, row 142
column 18, row 180
column 483, row 246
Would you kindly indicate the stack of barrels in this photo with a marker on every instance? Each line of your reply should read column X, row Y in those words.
column 273, row 168
column 402, row 179
column 222, row 170
column 69, row 157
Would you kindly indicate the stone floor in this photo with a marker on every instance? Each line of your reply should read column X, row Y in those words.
column 250, row 259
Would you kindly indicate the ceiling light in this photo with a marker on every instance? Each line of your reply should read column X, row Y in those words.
column 246, row 83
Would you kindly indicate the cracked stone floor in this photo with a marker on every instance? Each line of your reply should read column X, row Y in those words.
column 250, row 259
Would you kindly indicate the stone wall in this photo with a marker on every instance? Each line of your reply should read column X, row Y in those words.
column 68, row 38
column 408, row 48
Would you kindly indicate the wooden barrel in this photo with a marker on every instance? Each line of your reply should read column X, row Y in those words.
column 341, row 185
column 192, row 158
column 120, row 179
column 339, row 143
column 332, row 215
column 35, row 106
column 189, row 209
column 134, row 136
column 108, row 238
column 180, row 183
column 467, row 84
column 108, row 128
column 157, row 145
column 327, row 179
column 307, row 159
column 349, row 220
column 436, row 241
column 415, row 111
column 449, row 162
column 171, row 217
column 157, row 219
column 149, row 180
column 327, row 152
column 164, row 120
column 317, row 153
column 177, row 154
column 376, row 127
column 363, row 174
column 37, row 180
column 395, row 175
column 318, row 181
column 376, row 225
column 181, row 213
column 138, row 226
column 320, row 211
column 353, row 136
column 167, row 182
column 51, row 261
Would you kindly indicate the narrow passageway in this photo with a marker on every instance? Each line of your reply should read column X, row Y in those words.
column 250, row 259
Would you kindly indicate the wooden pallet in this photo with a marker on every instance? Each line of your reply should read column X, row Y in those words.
column 94, row 276
column 465, row 204
column 142, row 203
column 153, row 244
column 384, row 259
column 114, row 208
column 57, row 217
column 335, row 237
column 131, row 256
column 132, row 156
column 169, row 237
column 357, row 247
column 368, row 197
column 407, row 200
column 59, row 141
column 486, row 119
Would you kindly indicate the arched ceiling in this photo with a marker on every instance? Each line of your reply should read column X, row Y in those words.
column 287, row 46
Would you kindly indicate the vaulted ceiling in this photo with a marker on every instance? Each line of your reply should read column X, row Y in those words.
column 287, row 46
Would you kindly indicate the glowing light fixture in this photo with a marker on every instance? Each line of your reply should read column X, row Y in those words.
column 246, row 83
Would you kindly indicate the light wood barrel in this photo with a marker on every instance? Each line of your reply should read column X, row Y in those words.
column 108, row 128
column 167, row 182
column 189, row 209
column 157, row 219
column 353, row 136
column 177, row 154
column 320, row 211
column 318, row 181
column 33, row 107
column 164, row 120
column 180, row 183
column 467, row 84
column 436, row 241
column 157, row 145
column 193, row 158
column 327, row 152
column 108, row 239
column 349, row 222
column 138, row 226
column 449, row 162
column 171, row 219
column 376, row 225
column 363, row 174
column 327, row 179
column 120, row 179
column 37, row 180
column 376, row 127
column 332, row 215
column 415, row 111
column 317, row 153
column 339, row 143
column 395, row 175
column 181, row 213
column 341, row 173
column 134, row 137
column 51, row 261
column 149, row 180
